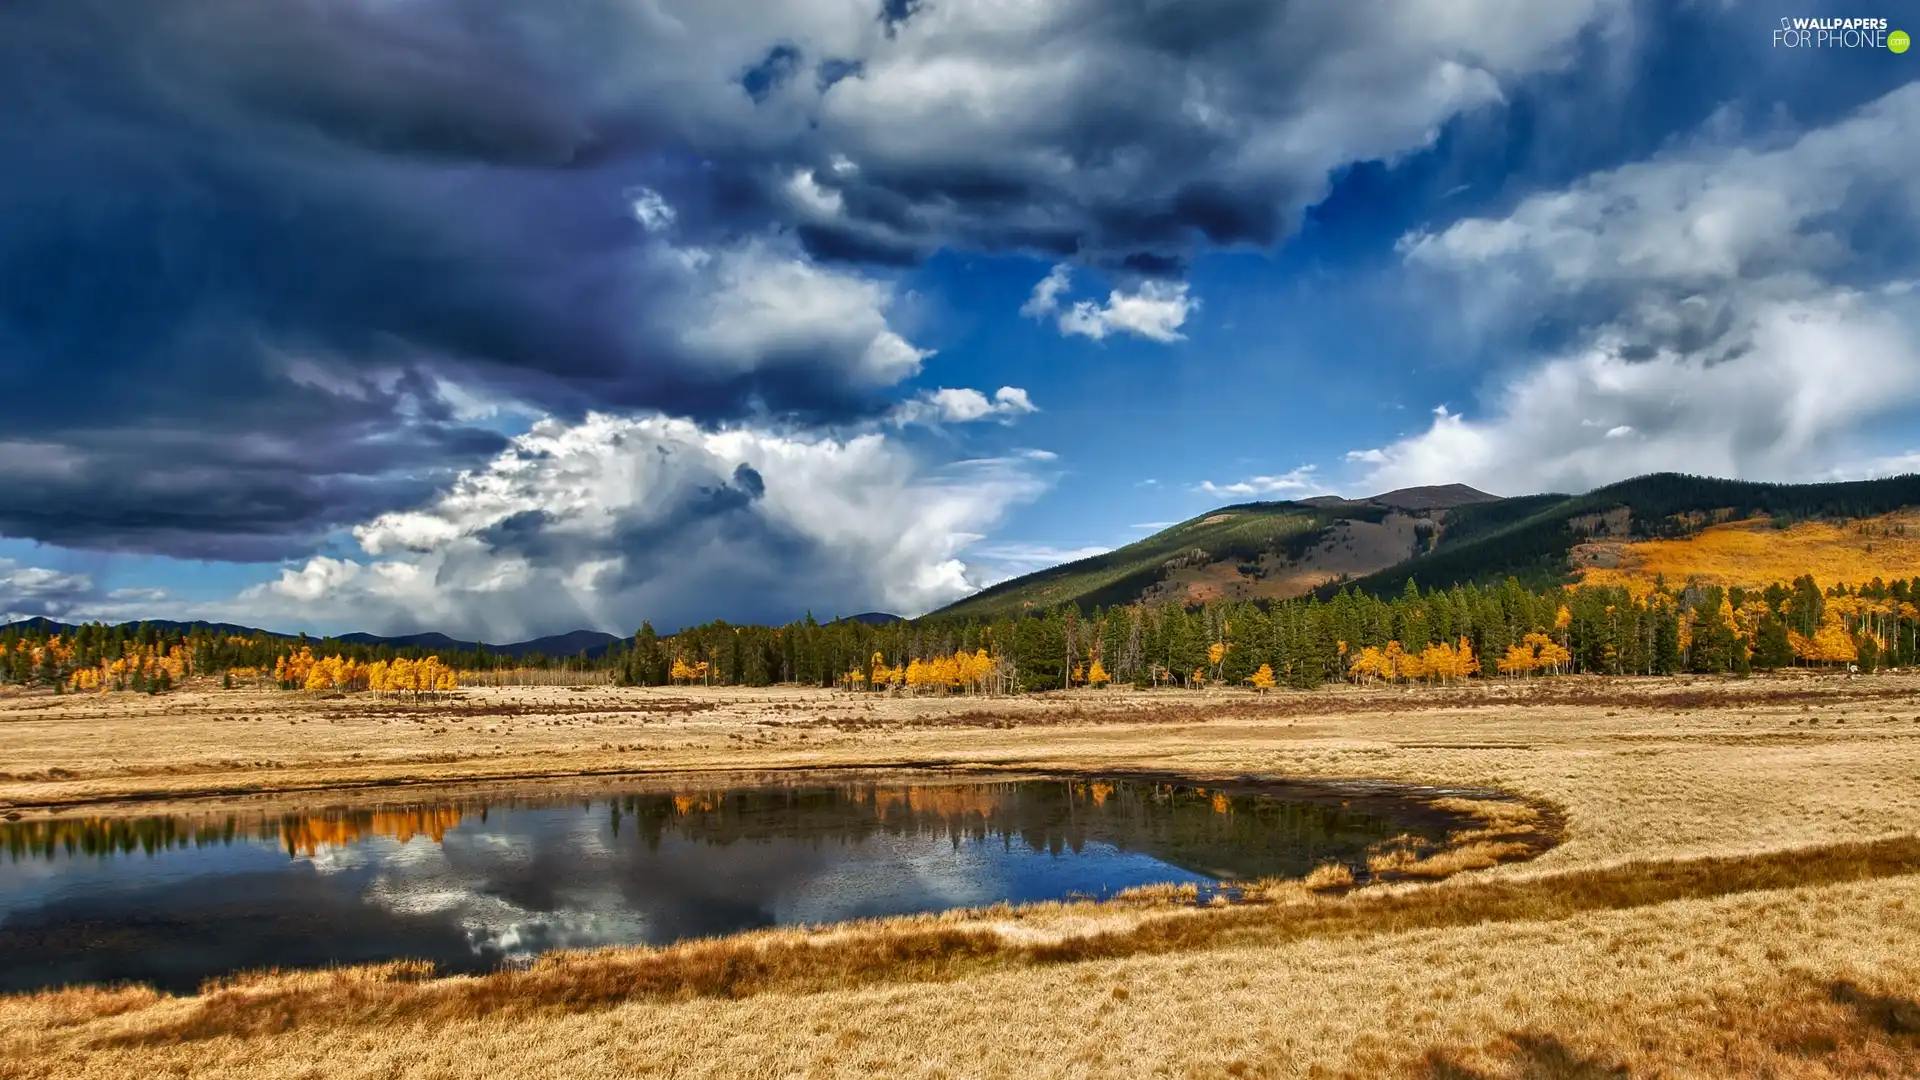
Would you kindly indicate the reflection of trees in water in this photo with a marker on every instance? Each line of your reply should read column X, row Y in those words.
column 299, row 834
column 1208, row 830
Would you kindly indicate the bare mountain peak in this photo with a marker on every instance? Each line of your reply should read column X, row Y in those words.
column 1433, row 497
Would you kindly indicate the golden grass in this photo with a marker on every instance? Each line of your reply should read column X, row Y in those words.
column 1328, row 876
column 1734, row 893
column 940, row 949
column 1754, row 553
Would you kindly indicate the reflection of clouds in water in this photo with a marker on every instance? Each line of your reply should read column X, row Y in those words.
column 468, row 885
column 480, row 882
column 569, row 930
column 561, row 877
column 341, row 859
column 917, row 873
column 494, row 845
column 592, row 834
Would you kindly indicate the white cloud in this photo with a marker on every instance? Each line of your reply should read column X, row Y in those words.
column 997, row 562
column 812, row 200
column 761, row 304
column 613, row 520
column 1154, row 310
column 1888, row 465
column 29, row 591
column 319, row 578
column 1728, row 326
column 1300, row 481
column 1045, row 299
column 963, row 405
column 650, row 209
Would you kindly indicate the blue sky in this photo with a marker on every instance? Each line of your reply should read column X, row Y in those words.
column 652, row 311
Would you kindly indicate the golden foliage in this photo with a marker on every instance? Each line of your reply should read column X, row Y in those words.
column 118, row 674
column 1536, row 652
column 1439, row 662
column 963, row 671
column 1830, row 644
column 338, row 673
column 1753, row 553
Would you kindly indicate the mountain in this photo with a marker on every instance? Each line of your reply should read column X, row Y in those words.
column 871, row 618
column 1452, row 534
column 1550, row 538
column 1250, row 551
column 43, row 625
column 592, row 642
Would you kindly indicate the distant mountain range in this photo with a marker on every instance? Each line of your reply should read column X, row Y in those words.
column 592, row 642
column 1441, row 536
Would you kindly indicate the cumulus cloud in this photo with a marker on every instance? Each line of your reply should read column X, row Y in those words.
column 1045, row 299
column 960, row 406
column 30, row 591
column 1292, row 484
column 611, row 520
column 1152, row 309
column 1738, row 311
column 1155, row 310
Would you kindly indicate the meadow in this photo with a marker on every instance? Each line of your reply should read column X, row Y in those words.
column 1730, row 890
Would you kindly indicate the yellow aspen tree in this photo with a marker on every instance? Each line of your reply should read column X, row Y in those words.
column 1518, row 660
column 1395, row 655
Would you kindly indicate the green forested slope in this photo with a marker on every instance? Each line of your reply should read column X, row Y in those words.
column 1530, row 538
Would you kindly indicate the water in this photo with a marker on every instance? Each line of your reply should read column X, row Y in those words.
column 476, row 881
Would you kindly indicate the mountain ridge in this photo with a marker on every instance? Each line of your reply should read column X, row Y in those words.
column 571, row 643
column 1440, row 535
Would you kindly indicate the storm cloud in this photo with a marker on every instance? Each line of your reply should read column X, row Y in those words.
column 267, row 270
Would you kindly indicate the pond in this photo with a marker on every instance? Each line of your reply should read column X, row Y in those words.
column 473, row 881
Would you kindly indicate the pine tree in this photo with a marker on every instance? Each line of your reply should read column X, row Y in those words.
column 1666, row 642
column 1038, row 654
column 1869, row 654
column 1772, row 645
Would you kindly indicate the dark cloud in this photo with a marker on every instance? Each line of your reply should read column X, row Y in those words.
column 283, row 228
column 775, row 70
column 325, row 236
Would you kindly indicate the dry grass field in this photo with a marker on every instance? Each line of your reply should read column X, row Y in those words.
column 1733, row 892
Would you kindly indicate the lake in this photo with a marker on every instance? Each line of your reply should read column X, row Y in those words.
column 474, row 880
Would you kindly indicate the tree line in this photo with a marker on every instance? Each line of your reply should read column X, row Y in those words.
column 1436, row 635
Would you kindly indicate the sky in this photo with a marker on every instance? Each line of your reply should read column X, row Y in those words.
column 505, row 320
